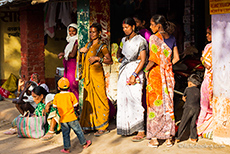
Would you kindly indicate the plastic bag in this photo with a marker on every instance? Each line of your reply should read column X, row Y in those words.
column 11, row 83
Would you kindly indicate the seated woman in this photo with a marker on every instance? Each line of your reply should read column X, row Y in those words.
column 36, row 78
column 23, row 103
column 39, row 95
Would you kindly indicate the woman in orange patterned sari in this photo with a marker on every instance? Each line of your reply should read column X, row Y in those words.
column 160, row 86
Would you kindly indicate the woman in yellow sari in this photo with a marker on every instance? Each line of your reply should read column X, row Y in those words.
column 95, row 113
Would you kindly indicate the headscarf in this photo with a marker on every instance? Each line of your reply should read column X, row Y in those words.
column 71, row 40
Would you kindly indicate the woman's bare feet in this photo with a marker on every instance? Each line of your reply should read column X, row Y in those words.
column 49, row 135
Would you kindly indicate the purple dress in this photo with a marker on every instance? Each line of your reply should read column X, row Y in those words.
column 171, row 42
column 69, row 73
column 145, row 33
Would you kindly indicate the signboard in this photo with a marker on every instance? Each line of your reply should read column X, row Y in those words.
column 219, row 6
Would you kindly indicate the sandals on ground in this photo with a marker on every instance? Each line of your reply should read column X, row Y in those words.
column 101, row 132
column 169, row 143
column 138, row 138
column 65, row 151
column 193, row 140
column 88, row 143
column 154, row 145
column 11, row 131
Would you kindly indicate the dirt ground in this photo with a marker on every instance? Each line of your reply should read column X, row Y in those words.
column 110, row 143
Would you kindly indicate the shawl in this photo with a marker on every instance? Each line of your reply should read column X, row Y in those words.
column 71, row 40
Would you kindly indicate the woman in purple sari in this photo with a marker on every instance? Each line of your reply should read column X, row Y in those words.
column 140, row 24
column 69, row 60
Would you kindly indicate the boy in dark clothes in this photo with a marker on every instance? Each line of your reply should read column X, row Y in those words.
column 191, row 108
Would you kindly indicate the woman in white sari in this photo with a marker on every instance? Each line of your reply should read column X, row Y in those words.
column 132, row 55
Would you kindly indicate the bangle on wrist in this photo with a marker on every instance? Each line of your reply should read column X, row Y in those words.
column 145, row 70
column 119, row 59
column 203, row 62
column 134, row 74
column 101, row 60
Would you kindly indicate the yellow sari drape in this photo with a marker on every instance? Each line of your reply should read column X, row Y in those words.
column 95, row 113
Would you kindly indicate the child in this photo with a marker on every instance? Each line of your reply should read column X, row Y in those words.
column 65, row 102
column 191, row 108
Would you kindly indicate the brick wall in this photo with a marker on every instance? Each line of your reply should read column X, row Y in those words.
column 32, row 41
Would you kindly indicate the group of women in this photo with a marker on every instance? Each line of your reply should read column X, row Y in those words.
column 140, row 61
column 95, row 113
column 156, row 66
column 137, row 64
column 134, row 55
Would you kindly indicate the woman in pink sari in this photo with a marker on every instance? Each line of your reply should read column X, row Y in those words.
column 69, row 60
column 204, row 122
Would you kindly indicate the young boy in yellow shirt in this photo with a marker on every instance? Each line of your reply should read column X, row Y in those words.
column 65, row 102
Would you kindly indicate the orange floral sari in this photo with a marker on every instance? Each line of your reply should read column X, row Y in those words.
column 160, row 115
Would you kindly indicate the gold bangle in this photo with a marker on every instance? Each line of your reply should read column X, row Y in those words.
column 203, row 62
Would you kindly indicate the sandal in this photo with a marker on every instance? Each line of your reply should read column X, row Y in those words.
column 138, row 138
column 193, row 140
column 101, row 132
column 11, row 131
column 88, row 143
column 168, row 143
column 154, row 145
column 48, row 136
column 65, row 151
column 176, row 141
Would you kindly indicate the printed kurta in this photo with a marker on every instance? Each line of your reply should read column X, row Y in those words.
column 204, row 122
column 52, row 114
column 160, row 115
column 130, row 112
column 95, row 112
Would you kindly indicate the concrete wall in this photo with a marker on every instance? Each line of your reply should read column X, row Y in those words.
column 10, row 45
column 221, row 77
column 10, row 48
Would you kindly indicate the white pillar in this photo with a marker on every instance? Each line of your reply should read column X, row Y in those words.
column 221, row 77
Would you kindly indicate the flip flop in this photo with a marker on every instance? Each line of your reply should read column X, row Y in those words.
column 97, row 134
column 11, row 131
column 153, row 146
column 169, row 145
column 88, row 143
column 65, row 151
column 176, row 141
column 141, row 138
